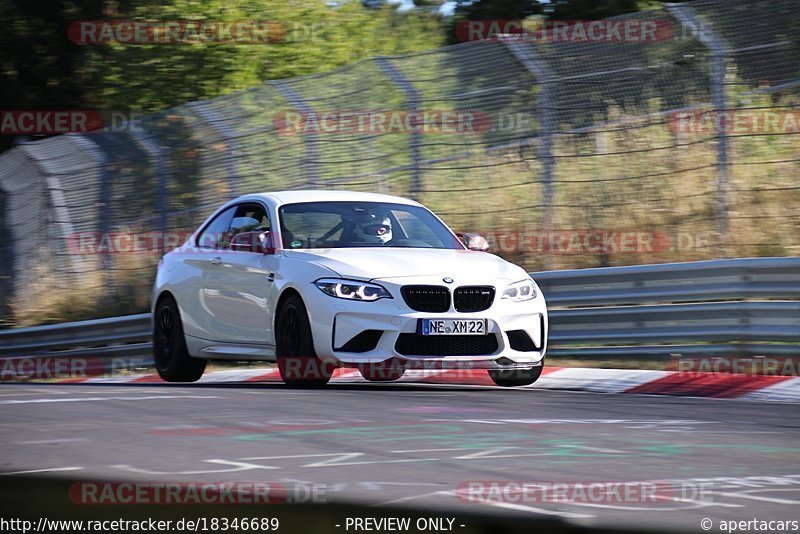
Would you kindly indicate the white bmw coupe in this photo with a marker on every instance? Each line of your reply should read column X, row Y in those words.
column 323, row 279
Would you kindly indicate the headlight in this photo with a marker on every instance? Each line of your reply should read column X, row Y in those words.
column 519, row 291
column 352, row 290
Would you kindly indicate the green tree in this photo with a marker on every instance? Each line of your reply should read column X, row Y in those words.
column 590, row 9
column 490, row 10
column 43, row 69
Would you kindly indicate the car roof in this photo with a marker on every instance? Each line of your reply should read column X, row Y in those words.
column 326, row 195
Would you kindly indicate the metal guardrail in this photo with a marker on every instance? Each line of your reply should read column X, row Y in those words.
column 651, row 311
column 648, row 311
column 700, row 281
column 114, row 334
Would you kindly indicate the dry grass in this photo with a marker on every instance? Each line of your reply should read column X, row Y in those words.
column 51, row 300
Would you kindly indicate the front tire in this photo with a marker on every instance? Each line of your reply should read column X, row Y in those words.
column 516, row 377
column 298, row 363
column 172, row 359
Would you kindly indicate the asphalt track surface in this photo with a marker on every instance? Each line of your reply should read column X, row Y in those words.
column 416, row 444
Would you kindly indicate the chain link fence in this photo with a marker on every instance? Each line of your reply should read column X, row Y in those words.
column 566, row 152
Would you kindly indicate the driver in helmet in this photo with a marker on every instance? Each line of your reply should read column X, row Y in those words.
column 373, row 230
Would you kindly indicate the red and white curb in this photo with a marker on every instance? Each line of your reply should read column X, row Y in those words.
column 616, row 381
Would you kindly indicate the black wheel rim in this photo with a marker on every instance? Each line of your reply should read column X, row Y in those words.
column 290, row 332
column 165, row 335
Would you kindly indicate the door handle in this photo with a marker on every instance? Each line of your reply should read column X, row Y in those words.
column 270, row 277
column 216, row 261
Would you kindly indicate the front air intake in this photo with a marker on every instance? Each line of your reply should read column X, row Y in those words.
column 454, row 345
column 362, row 342
column 521, row 341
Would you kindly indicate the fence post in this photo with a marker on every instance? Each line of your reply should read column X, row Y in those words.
column 104, row 202
column 526, row 55
column 210, row 116
column 719, row 58
column 156, row 154
column 309, row 138
column 413, row 99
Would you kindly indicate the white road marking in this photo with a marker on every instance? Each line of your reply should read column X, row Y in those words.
column 747, row 495
column 486, row 453
column 319, row 455
column 697, row 504
column 380, row 462
column 237, row 466
column 99, row 399
column 413, row 497
column 534, row 510
column 593, row 449
column 49, row 470
column 283, row 392
column 50, row 390
column 296, row 481
column 48, row 441
column 336, row 460
column 427, row 395
column 427, row 450
column 705, row 504
column 737, row 432
column 377, row 485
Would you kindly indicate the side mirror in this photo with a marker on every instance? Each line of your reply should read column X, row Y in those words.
column 258, row 242
column 475, row 242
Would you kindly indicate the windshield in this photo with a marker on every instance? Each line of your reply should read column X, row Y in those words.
column 362, row 224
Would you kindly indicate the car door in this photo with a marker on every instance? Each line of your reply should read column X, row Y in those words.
column 240, row 297
column 202, row 267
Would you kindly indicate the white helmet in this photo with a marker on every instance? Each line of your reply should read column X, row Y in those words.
column 376, row 229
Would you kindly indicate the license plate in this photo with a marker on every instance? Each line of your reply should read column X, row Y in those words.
column 450, row 327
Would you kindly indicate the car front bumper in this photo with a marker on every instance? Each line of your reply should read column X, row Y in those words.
column 334, row 322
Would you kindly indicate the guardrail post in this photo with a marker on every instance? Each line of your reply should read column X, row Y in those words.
column 156, row 154
column 413, row 98
column 309, row 138
column 526, row 55
column 104, row 203
column 719, row 58
column 58, row 202
column 210, row 116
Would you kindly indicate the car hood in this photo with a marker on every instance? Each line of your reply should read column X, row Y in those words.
column 380, row 263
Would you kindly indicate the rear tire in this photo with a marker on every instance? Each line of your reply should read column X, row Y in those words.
column 298, row 363
column 516, row 377
column 172, row 359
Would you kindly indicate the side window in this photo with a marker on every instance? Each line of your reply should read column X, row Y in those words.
column 310, row 228
column 249, row 218
column 215, row 235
